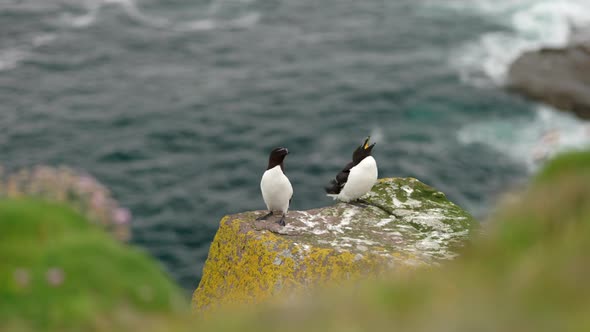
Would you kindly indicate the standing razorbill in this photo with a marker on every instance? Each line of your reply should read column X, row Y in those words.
column 357, row 178
column 275, row 186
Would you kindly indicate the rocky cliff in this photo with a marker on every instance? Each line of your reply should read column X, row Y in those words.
column 405, row 224
column 559, row 77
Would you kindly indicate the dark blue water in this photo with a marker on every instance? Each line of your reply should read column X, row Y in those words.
column 174, row 104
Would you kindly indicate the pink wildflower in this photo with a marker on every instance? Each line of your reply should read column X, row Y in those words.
column 122, row 216
column 22, row 277
column 55, row 276
column 98, row 200
column 86, row 183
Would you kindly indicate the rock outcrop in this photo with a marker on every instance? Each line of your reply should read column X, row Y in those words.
column 406, row 224
column 559, row 77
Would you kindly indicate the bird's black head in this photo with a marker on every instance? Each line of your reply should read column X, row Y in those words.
column 277, row 155
column 362, row 151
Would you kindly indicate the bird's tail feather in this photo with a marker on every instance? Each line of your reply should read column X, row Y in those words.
column 333, row 188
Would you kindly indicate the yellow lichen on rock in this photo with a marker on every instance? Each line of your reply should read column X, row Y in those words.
column 406, row 224
column 249, row 266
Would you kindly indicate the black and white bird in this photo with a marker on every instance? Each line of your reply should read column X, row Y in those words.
column 275, row 186
column 357, row 178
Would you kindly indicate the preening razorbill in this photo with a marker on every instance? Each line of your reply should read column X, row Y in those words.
column 357, row 178
column 275, row 186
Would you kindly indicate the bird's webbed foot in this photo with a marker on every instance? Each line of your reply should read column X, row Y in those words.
column 359, row 203
column 282, row 220
column 264, row 217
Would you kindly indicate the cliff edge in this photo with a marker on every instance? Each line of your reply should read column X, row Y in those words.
column 405, row 224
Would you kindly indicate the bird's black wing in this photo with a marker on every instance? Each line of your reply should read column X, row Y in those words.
column 337, row 184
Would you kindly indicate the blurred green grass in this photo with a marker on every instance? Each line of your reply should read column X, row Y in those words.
column 60, row 272
column 574, row 163
column 527, row 271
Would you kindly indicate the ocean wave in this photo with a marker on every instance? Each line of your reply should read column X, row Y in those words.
column 528, row 25
column 245, row 21
column 10, row 58
column 132, row 10
column 530, row 142
column 80, row 21
column 86, row 14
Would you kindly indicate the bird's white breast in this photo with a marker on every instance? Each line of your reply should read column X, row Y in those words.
column 361, row 179
column 276, row 189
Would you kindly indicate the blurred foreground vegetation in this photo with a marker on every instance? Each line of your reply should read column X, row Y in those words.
column 58, row 272
column 527, row 271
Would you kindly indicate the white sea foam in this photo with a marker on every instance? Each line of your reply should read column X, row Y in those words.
column 80, row 21
column 530, row 141
column 131, row 9
column 245, row 21
column 527, row 25
column 10, row 58
column 43, row 39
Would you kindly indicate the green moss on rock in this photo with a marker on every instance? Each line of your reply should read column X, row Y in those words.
column 406, row 224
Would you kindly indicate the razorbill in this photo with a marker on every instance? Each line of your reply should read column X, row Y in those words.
column 275, row 186
column 357, row 178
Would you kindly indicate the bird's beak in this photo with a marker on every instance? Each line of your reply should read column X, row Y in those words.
column 366, row 145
